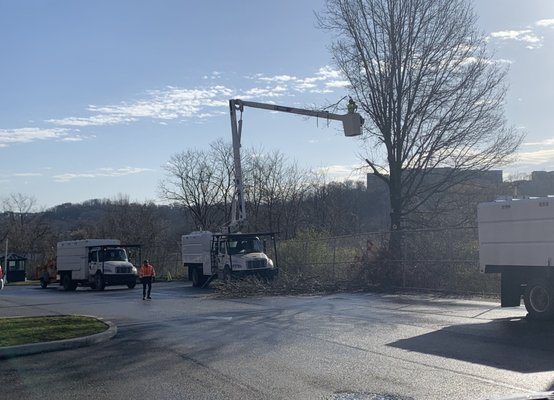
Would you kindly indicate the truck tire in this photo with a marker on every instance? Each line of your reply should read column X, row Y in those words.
column 197, row 277
column 99, row 282
column 131, row 285
column 67, row 283
column 539, row 299
column 227, row 274
column 43, row 284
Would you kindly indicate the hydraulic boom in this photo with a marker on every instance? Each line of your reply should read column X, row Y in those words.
column 352, row 125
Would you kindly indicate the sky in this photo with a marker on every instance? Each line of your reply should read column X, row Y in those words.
column 96, row 96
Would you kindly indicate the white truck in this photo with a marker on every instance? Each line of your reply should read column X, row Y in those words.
column 95, row 263
column 209, row 255
column 516, row 239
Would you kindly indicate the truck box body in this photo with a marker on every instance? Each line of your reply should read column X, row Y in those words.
column 516, row 233
column 195, row 250
column 73, row 255
column 516, row 240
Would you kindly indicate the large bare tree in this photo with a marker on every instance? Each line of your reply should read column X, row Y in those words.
column 420, row 70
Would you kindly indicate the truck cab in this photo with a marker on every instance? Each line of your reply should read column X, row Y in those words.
column 235, row 255
column 113, row 265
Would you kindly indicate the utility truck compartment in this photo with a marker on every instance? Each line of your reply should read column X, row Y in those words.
column 516, row 240
column 516, row 233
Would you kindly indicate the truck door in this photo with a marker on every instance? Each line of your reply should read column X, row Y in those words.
column 93, row 261
column 222, row 253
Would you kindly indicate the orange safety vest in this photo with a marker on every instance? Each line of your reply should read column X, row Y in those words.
column 146, row 270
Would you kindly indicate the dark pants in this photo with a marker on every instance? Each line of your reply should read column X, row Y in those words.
column 146, row 281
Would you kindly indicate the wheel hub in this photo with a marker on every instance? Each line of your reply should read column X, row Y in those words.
column 539, row 299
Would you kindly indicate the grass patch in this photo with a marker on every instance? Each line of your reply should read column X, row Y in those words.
column 26, row 330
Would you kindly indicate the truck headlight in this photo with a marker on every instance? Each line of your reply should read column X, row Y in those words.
column 134, row 270
column 270, row 262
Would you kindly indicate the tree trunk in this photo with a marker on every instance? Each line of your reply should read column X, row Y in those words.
column 395, row 255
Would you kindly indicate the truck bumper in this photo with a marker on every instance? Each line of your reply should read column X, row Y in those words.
column 120, row 279
column 264, row 273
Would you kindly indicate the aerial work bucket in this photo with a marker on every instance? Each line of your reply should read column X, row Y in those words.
column 352, row 124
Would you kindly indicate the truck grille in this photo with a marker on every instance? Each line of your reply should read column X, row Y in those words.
column 256, row 264
column 122, row 270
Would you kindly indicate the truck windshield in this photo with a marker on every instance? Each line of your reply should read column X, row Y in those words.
column 114, row 255
column 246, row 245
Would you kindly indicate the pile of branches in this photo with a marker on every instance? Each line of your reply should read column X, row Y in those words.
column 284, row 284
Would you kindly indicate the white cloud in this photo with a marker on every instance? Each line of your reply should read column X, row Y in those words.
column 27, row 135
column 527, row 36
column 343, row 173
column 277, row 78
column 263, row 92
column 173, row 103
column 545, row 22
column 100, row 173
column 535, row 157
column 169, row 104
column 27, row 174
column 337, row 84
column 327, row 77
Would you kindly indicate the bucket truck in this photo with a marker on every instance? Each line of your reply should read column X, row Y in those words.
column 208, row 255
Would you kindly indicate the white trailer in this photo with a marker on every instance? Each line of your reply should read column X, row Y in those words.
column 516, row 239
column 209, row 255
column 95, row 263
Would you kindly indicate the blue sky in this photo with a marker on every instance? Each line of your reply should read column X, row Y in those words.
column 97, row 95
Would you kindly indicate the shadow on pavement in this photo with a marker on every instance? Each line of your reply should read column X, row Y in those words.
column 511, row 344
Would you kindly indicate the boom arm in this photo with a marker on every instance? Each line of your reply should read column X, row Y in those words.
column 352, row 124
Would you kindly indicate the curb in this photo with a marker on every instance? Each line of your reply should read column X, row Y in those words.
column 43, row 347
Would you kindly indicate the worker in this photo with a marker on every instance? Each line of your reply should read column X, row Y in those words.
column 146, row 275
column 352, row 107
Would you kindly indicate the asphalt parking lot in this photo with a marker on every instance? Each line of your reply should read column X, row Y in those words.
column 192, row 344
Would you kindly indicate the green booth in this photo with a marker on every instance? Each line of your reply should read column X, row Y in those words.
column 14, row 269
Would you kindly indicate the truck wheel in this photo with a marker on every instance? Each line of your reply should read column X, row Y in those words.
column 43, row 283
column 131, row 285
column 196, row 277
column 67, row 283
column 99, row 282
column 539, row 299
column 227, row 275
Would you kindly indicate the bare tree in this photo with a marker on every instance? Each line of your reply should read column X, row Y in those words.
column 275, row 190
column 420, row 71
column 28, row 232
column 22, row 224
column 137, row 224
column 202, row 182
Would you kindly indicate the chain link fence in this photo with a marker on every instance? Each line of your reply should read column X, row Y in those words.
column 433, row 259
